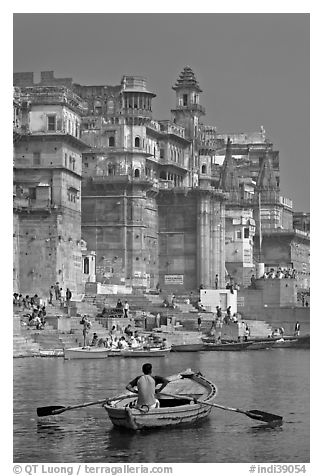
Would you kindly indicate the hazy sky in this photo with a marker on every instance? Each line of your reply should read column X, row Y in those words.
column 254, row 69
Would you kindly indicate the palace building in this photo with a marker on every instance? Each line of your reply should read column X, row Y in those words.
column 171, row 204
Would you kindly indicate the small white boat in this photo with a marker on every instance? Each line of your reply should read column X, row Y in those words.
column 86, row 353
column 52, row 353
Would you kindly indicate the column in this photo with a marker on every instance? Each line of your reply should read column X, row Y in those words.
column 203, row 240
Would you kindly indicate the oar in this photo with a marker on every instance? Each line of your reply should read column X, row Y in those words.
column 254, row 414
column 56, row 409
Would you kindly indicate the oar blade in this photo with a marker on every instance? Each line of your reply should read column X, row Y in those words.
column 264, row 416
column 46, row 411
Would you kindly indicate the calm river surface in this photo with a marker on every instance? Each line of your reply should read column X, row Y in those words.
column 276, row 381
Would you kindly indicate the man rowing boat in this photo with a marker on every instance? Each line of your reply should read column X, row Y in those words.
column 146, row 387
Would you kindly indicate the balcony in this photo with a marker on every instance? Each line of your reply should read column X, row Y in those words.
column 190, row 107
column 54, row 95
column 137, row 112
column 171, row 128
column 28, row 204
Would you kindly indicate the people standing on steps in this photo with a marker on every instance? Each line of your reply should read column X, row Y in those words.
column 68, row 295
column 297, row 329
column 126, row 309
column 51, row 291
column 57, row 291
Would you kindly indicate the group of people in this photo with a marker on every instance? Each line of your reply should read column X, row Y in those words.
column 281, row 273
column 170, row 304
column 57, row 291
column 129, row 338
column 35, row 310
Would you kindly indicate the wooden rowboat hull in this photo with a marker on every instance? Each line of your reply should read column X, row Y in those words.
column 145, row 353
column 133, row 419
column 172, row 412
column 86, row 353
column 225, row 347
column 139, row 353
column 187, row 347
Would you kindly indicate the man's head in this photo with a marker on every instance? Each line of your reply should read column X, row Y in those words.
column 147, row 368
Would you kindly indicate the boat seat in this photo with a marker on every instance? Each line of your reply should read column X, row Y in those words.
column 172, row 402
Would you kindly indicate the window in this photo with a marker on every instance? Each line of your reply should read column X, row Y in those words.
column 32, row 193
column 246, row 232
column 111, row 141
column 86, row 165
column 51, row 123
column 239, row 234
column 203, row 169
column 137, row 173
column 184, row 99
column 36, row 158
column 137, row 142
column 86, row 267
column 65, row 160
column 162, row 153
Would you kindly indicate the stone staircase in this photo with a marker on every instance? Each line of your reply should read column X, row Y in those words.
column 258, row 328
column 23, row 345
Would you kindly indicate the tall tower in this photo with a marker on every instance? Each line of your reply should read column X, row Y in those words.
column 188, row 109
column 119, row 213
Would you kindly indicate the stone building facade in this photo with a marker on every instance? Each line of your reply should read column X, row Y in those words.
column 47, row 188
column 170, row 204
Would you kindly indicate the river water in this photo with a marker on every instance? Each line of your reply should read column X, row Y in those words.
column 276, row 381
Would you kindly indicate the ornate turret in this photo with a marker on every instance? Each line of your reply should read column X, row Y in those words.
column 187, row 80
column 188, row 109
column 266, row 178
column 229, row 179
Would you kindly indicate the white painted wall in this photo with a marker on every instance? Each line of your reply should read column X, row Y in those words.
column 211, row 298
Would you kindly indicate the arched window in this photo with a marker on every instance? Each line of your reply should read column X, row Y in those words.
column 137, row 141
column 111, row 141
column 97, row 108
column 203, row 169
column 137, row 173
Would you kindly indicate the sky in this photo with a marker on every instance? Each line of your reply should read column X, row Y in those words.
column 253, row 68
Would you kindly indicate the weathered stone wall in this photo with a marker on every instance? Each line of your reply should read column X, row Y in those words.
column 16, row 268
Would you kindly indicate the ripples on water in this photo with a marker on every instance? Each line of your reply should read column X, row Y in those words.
column 274, row 381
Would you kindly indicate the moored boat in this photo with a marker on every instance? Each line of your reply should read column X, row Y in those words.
column 152, row 352
column 179, row 409
column 187, row 347
column 86, row 353
column 232, row 346
column 52, row 353
column 297, row 342
column 260, row 345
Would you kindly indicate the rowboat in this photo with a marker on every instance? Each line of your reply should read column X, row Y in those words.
column 86, row 353
column 175, row 410
column 187, row 347
column 302, row 342
column 232, row 346
column 152, row 352
column 260, row 345
column 52, row 353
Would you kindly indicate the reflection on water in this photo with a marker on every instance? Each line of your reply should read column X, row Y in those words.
column 269, row 381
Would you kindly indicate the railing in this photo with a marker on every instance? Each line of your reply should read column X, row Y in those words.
column 170, row 128
column 48, row 94
column 32, row 204
column 189, row 107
